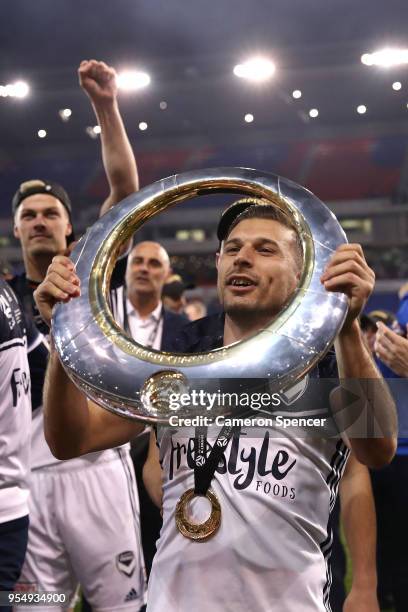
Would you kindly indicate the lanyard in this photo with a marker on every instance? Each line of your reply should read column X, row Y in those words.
column 204, row 468
column 153, row 334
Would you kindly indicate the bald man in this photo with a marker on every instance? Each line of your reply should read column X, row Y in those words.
column 138, row 309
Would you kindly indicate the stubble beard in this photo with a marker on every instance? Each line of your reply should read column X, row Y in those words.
column 42, row 251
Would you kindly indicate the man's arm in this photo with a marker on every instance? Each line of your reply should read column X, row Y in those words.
column 73, row 425
column 99, row 82
column 359, row 524
column 349, row 273
column 152, row 472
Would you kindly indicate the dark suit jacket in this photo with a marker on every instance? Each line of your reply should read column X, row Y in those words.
column 172, row 325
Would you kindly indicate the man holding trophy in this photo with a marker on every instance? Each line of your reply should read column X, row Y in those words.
column 266, row 542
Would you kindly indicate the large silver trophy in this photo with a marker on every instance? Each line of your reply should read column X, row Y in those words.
column 134, row 381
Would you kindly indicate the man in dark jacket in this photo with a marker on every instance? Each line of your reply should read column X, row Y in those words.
column 139, row 310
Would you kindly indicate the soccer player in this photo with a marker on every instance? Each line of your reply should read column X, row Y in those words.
column 275, row 494
column 93, row 536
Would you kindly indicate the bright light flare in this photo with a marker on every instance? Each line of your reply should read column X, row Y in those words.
column 132, row 80
column 257, row 70
column 19, row 89
column 93, row 131
column 65, row 114
column 386, row 58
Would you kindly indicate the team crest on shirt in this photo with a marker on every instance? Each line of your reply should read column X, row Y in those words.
column 126, row 562
column 222, row 441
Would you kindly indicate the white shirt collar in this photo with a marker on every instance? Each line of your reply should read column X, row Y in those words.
column 154, row 315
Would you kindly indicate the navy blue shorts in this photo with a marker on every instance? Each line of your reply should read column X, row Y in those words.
column 13, row 546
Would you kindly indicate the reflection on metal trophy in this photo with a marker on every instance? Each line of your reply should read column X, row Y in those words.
column 134, row 381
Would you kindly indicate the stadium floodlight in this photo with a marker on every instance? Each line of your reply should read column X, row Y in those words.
column 93, row 131
column 257, row 69
column 19, row 89
column 132, row 80
column 386, row 58
column 65, row 114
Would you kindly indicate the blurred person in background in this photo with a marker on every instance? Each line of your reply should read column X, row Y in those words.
column 88, row 538
column 173, row 294
column 195, row 309
column 137, row 307
column 384, row 334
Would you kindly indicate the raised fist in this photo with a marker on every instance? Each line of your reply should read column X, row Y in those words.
column 98, row 80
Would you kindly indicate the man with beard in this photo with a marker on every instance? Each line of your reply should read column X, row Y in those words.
column 89, row 538
column 275, row 494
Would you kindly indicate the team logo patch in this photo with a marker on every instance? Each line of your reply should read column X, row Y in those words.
column 223, row 441
column 131, row 595
column 126, row 562
column 200, row 461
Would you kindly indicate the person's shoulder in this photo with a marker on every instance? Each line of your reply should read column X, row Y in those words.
column 18, row 283
column 12, row 323
column 202, row 335
column 174, row 317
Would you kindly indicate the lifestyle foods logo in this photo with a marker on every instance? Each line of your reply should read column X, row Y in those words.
column 255, row 465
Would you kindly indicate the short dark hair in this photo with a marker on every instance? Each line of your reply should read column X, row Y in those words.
column 274, row 213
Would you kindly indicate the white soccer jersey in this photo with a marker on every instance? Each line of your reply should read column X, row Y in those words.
column 41, row 456
column 270, row 553
column 15, row 408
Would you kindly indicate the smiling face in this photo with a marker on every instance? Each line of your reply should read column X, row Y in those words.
column 42, row 225
column 258, row 270
column 147, row 270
